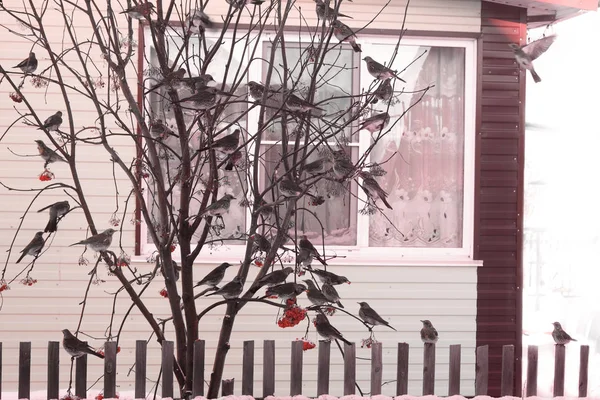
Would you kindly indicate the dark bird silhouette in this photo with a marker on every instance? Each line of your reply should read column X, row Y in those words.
column 331, row 293
column 372, row 188
column 214, row 277
column 48, row 155
column 139, row 11
column 230, row 290
column 286, row 290
column 529, row 52
column 53, row 122
column 274, row 278
column 428, row 333
column 559, row 335
column 56, row 210
column 380, row 71
column 34, row 248
column 75, row 347
column 328, row 331
column 371, row 316
column 29, row 64
column 328, row 277
column 98, row 242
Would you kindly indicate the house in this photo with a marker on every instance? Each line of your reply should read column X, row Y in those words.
column 463, row 271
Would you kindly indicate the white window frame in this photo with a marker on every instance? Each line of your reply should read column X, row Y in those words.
column 362, row 254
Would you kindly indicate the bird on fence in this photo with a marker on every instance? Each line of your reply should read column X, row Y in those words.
column 428, row 333
column 529, row 52
column 139, row 11
column 98, row 242
column 230, row 290
column 286, row 291
column 218, row 208
column 274, row 278
column 384, row 91
column 376, row 122
column 343, row 33
column 380, row 71
column 331, row 293
column 34, row 247
column 29, row 64
column 371, row 316
column 226, row 144
column 314, row 295
column 326, row 12
column 214, row 277
column 48, row 155
column 328, row 277
column 75, row 347
column 372, row 188
column 559, row 335
column 326, row 330
column 56, row 210
column 52, row 123
column 306, row 247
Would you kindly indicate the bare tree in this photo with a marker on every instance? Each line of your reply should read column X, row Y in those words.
column 212, row 145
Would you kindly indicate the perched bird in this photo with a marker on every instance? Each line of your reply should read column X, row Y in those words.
column 230, row 290
column 218, row 208
column 265, row 209
column 56, row 210
column 559, row 335
column 380, row 71
column 384, row 91
column 234, row 160
column 242, row 3
column 326, row 330
column 203, row 99
column 314, row 295
column 29, row 64
column 529, row 52
column 307, row 245
column 275, row 277
column 226, row 144
column 372, row 188
column 331, row 293
column 328, row 277
column 139, row 11
column 289, row 188
column 319, row 166
column 326, row 12
column 256, row 90
column 197, row 83
column 286, row 290
column 47, row 154
column 75, row 347
column 371, row 317
column 98, row 242
column 52, row 123
column 197, row 21
column 376, row 122
column 260, row 243
column 214, row 277
column 159, row 130
column 34, row 248
column 343, row 33
column 428, row 333
column 174, row 80
column 296, row 104
column 343, row 168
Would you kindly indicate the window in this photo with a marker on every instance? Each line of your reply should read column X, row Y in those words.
column 429, row 180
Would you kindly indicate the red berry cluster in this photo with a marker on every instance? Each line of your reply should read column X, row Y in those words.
column 122, row 262
column 4, row 287
column 307, row 344
column 258, row 263
column 16, row 97
column 164, row 293
column 46, row 176
column 28, row 281
column 173, row 247
column 292, row 315
column 368, row 342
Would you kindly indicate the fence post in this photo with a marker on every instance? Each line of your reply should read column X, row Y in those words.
column 0, row 370
column 248, row 368
column 323, row 367
column 481, row 370
column 584, row 354
column 296, row 368
column 24, row 370
column 168, row 347
column 81, row 376
column 227, row 387
column 454, row 370
column 532, row 369
column 349, row 368
column 402, row 373
column 198, row 372
column 376, row 368
column 508, row 370
column 268, row 368
column 428, row 368
column 53, row 367
column 110, row 370
column 141, row 348
column 559, row 370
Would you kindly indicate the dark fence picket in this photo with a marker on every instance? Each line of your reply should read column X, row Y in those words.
column 24, row 370
column 323, row 367
column 141, row 349
column 53, row 368
column 402, row 373
column 376, row 368
column 559, row 370
column 198, row 372
column 110, row 370
column 584, row 356
column 532, row 370
column 81, row 376
column 248, row 368
column 454, row 370
column 482, row 370
column 349, row 369
column 508, row 370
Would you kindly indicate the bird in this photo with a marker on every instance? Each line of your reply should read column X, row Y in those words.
column 197, row 83
column 384, row 91
column 218, row 208
column 159, row 130
column 47, row 154
column 52, row 123
column 234, row 160
column 326, row 12
column 428, row 333
column 314, row 295
column 307, row 245
column 529, row 52
column 98, row 242
column 343, row 33
column 295, row 103
column 274, row 278
column 371, row 316
column 203, row 99
column 226, row 144
column 56, row 210
column 139, row 11
column 174, row 80
column 328, row 277
column 326, row 330
column 242, row 3
column 286, row 291
column 372, row 188
column 214, row 277
column 376, row 122
column 34, row 248
column 319, row 166
column 75, row 347
column 230, row 290
column 260, row 243
column 559, row 335
column 331, row 293
column 289, row 188
column 29, row 64
column 343, row 167
column 380, row 71
column 256, row 90
column 198, row 20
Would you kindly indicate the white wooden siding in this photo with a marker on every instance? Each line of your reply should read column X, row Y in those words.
column 403, row 294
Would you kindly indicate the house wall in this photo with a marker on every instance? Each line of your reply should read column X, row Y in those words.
column 446, row 294
column 499, row 193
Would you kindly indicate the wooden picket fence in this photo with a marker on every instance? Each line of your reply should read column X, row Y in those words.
column 296, row 363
